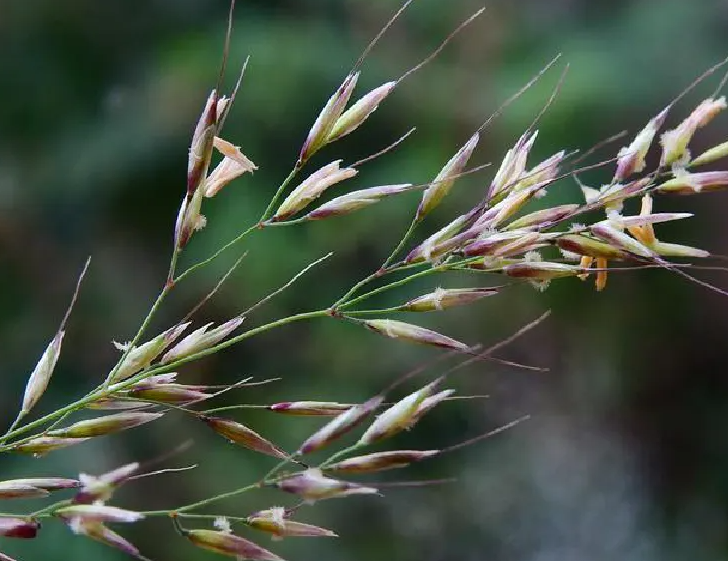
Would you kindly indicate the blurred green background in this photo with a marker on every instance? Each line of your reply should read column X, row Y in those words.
column 626, row 453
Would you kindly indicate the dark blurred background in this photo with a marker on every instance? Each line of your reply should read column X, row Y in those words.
column 626, row 453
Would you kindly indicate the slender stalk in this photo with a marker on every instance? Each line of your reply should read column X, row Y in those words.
column 210, row 500
column 271, row 206
column 401, row 244
column 106, row 391
column 344, row 452
column 383, row 270
column 217, row 254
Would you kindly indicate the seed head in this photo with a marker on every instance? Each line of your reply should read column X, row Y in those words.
column 588, row 246
column 101, row 488
column 311, row 188
column 227, row 543
column 310, row 408
column 677, row 250
column 427, row 250
column 14, row 527
column 98, row 513
column 685, row 183
column 631, row 159
column 444, row 180
column 189, row 219
column 319, row 134
column 167, row 393
column 675, row 142
column 513, row 165
column 444, row 298
column 541, row 270
column 233, row 165
column 97, row 531
column 380, row 461
column 711, row 155
column 274, row 521
column 429, row 403
column 202, row 142
column 311, row 485
column 142, row 356
column 108, row 424
column 243, row 436
column 43, row 444
column 41, row 375
column 398, row 417
column 353, row 117
column 34, row 487
column 414, row 333
column 356, row 200
column 620, row 240
column 543, row 216
column 340, row 425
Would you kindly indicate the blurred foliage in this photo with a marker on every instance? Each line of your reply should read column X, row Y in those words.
column 625, row 456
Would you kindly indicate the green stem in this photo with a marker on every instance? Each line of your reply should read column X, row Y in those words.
column 402, row 242
column 217, row 254
column 383, row 270
column 209, row 500
column 380, row 312
column 395, row 284
column 345, row 452
column 269, row 209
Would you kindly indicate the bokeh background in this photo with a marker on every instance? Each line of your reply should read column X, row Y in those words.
column 626, row 453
